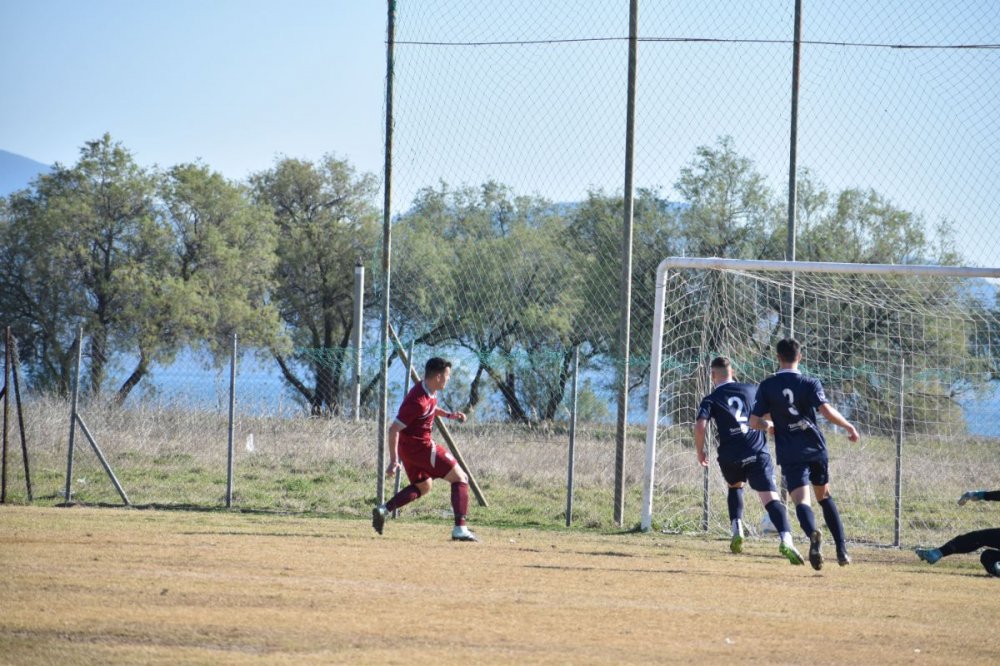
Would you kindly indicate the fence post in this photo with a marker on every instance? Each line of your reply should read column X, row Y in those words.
column 232, row 425
column 793, row 162
column 72, row 415
column 625, row 297
column 572, row 436
column 6, row 404
column 705, row 515
column 406, row 390
column 359, row 309
column 383, row 406
column 899, row 460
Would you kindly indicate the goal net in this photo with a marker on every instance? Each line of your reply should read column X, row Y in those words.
column 909, row 354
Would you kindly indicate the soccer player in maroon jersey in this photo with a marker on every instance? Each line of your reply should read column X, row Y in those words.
column 410, row 442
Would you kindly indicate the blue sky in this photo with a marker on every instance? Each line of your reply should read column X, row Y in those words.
column 238, row 82
column 233, row 82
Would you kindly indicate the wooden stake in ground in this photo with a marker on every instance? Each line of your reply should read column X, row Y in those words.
column 10, row 382
column 15, row 369
column 441, row 426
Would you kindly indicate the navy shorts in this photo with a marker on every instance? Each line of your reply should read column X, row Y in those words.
column 757, row 470
column 816, row 472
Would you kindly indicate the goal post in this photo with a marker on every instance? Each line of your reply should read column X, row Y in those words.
column 904, row 351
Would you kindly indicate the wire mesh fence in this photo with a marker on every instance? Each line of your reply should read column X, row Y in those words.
column 507, row 211
column 509, row 148
column 900, row 351
column 167, row 444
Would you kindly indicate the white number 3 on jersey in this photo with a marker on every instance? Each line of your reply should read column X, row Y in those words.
column 791, row 402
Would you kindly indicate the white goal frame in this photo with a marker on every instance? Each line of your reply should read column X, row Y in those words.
column 674, row 263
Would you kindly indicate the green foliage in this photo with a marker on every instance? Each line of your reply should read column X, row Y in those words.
column 489, row 272
column 89, row 249
column 151, row 262
column 224, row 252
column 326, row 222
column 590, row 407
column 731, row 212
column 147, row 263
column 862, row 226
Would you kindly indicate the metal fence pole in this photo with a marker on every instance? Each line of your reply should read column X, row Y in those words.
column 897, row 523
column 6, row 409
column 625, row 300
column 705, row 514
column 359, row 310
column 383, row 406
column 704, row 471
column 572, row 436
column 232, row 425
column 67, row 495
column 793, row 162
column 406, row 390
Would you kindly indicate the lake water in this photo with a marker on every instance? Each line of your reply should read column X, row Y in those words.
column 261, row 389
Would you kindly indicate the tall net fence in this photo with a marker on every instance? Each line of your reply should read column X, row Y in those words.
column 904, row 356
column 509, row 157
column 508, row 163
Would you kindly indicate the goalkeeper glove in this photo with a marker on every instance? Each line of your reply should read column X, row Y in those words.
column 971, row 496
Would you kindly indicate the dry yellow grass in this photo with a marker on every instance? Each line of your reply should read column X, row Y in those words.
column 83, row 586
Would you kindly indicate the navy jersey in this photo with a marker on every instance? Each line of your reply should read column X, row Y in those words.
column 729, row 404
column 792, row 400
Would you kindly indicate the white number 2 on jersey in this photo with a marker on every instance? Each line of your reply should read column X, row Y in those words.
column 791, row 402
column 739, row 408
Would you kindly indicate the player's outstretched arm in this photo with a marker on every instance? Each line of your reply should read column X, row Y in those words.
column 836, row 418
column 454, row 416
column 700, row 427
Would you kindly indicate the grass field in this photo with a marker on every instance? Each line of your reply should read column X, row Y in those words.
column 168, row 455
column 83, row 585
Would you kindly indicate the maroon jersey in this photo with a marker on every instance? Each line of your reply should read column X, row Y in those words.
column 416, row 415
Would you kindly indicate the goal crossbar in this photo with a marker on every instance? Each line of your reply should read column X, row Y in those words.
column 716, row 263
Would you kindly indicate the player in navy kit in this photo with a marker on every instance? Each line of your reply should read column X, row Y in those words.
column 743, row 455
column 792, row 400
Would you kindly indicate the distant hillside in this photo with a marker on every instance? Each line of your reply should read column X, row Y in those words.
column 17, row 171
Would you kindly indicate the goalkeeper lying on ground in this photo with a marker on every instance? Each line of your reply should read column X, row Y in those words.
column 972, row 541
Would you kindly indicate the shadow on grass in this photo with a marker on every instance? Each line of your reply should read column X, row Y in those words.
column 200, row 508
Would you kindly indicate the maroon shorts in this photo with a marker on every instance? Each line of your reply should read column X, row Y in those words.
column 423, row 462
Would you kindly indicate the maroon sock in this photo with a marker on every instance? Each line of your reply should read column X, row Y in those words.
column 403, row 497
column 460, row 501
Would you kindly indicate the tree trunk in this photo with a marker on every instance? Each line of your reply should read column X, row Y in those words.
column 66, row 365
column 340, row 371
column 506, row 385
column 140, row 371
column 474, row 396
column 98, row 358
column 292, row 379
column 323, row 396
column 556, row 395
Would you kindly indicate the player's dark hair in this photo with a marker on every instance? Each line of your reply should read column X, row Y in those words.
column 788, row 350
column 435, row 366
column 720, row 362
